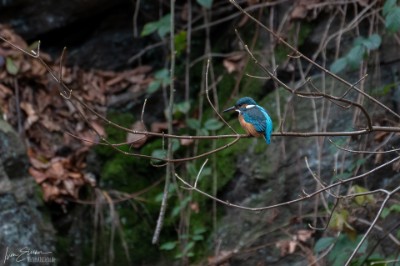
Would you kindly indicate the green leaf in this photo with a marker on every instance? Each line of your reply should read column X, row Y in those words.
column 212, row 124
column 149, row 28
column 355, row 56
column 176, row 210
column 205, row 3
column 199, row 230
column 339, row 65
column 323, row 243
column 182, row 107
column 392, row 21
column 162, row 74
column 193, row 123
column 203, row 132
column 164, row 25
column 395, row 208
column 385, row 212
column 158, row 153
column 361, row 200
column 180, row 42
column 175, row 145
column 373, row 42
column 153, row 86
column 388, row 6
column 197, row 237
column 11, row 66
column 168, row 245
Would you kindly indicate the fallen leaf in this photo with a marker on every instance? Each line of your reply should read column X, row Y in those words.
column 137, row 140
column 303, row 235
column 39, row 176
column 235, row 63
column 186, row 142
column 32, row 117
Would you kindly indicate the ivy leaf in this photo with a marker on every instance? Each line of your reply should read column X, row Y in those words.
column 388, row 6
column 182, row 107
column 164, row 25
column 355, row 56
column 392, row 21
column 212, row 124
column 339, row 65
column 149, row 28
column 205, row 3
column 153, row 86
column 168, row 245
column 158, row 153
column 323, row 243
column 193, row 123
column 11, row 66
column 373, row 42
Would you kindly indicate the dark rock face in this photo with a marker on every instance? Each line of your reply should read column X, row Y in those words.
column 31, row 18
column 97, row 34
column 23, row 229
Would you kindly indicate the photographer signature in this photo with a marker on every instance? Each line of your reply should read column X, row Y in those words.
column 23, row 253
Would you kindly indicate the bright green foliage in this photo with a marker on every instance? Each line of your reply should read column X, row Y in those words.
column 391, row 12
column 364, row 199
column 162, row 26
column 180, row 42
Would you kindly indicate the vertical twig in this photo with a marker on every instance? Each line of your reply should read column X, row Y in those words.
column 135, row 16
column 170, row 166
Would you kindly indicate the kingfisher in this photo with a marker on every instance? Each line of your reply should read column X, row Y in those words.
column 253, row 118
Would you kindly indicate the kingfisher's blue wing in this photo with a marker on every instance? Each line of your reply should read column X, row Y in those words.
column 262, row 122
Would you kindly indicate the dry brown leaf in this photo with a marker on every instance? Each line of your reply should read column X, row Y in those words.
column 39, row 176
column 378, row 157
column 32, row 117
column 286, row 247
column 235, row 63
column 396, row 166
column 302, row 7
column 303, row 235
column 221, row 257
column 70, row 187
column 38, row 164
column 186, row 142
column 194, row 206
column 380, row 136
column 159, row 127
column 56, row 170
column 50, row 125
column 5, row 91
column 50, row 192
column 137, row 140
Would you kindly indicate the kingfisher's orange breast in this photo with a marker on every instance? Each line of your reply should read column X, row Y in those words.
column 249, row 127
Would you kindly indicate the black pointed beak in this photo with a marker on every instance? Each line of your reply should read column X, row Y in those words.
column 229, row 109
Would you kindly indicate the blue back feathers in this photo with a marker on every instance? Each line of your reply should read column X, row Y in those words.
column 255, row 115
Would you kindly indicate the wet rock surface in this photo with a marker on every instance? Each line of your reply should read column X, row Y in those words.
column 25, row 226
